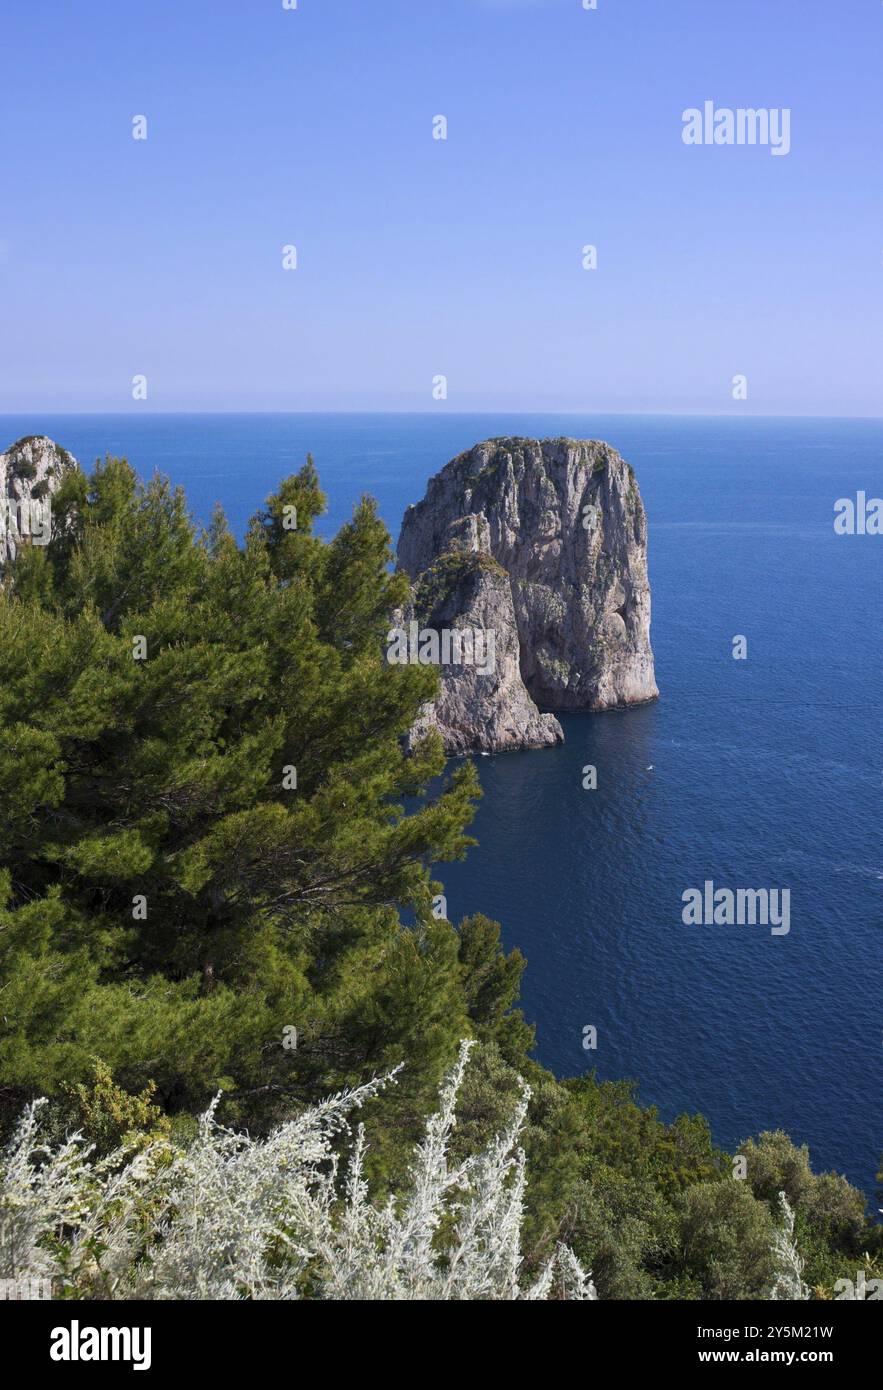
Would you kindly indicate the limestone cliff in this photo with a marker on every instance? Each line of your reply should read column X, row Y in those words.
column 30, row 472
column 483, row 705
column 564, row 522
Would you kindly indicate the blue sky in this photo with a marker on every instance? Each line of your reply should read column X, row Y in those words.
column 419, row 257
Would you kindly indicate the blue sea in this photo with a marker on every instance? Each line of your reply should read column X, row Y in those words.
column 765, row 772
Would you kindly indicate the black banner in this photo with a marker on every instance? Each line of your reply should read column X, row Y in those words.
column 86, row 1339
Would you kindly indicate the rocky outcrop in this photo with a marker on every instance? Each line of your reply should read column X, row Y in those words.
column 30, row 472
column 563, row 525
column 464, row 600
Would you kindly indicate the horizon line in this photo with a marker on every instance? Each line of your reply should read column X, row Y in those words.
column 490, row 410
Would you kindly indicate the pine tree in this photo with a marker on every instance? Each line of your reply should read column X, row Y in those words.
column 209, row 836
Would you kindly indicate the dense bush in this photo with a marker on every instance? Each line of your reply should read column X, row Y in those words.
column 230, row 1217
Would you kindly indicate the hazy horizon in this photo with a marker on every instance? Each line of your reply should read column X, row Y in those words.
column 485, row 410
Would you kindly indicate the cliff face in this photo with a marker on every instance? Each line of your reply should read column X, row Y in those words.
column 483, row 705
column 564, row 522
column 30, row 472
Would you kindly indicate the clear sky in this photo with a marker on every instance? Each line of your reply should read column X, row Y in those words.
column 418, row 257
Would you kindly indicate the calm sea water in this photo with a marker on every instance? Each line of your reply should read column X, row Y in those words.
column 759, row 773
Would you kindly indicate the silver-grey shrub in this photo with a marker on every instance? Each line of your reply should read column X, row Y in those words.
column 233, row 1217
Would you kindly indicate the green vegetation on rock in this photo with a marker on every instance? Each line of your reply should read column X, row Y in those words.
column 444, row 578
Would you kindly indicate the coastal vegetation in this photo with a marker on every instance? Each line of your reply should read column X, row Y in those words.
column 217, row 875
